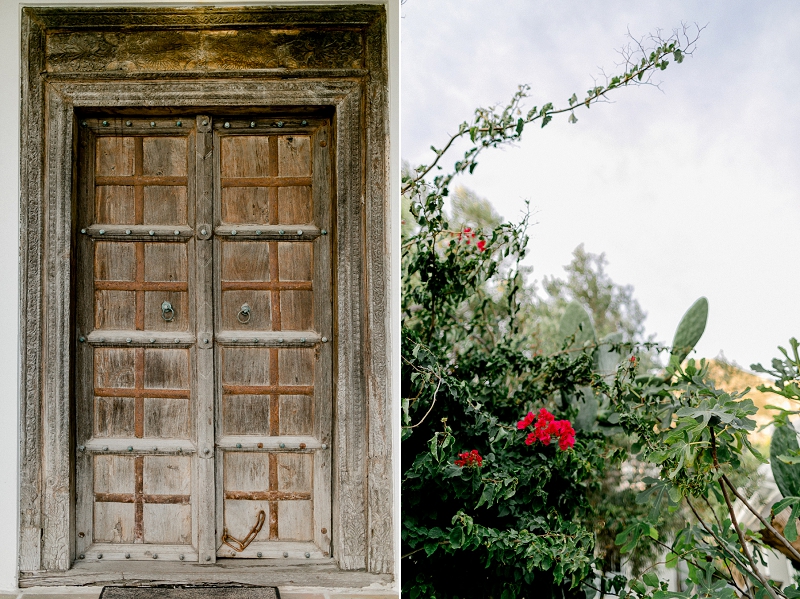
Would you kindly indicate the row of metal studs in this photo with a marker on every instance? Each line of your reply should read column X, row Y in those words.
column 82, row 339
column 227, row 125
column 280, row 232
column 182, row 557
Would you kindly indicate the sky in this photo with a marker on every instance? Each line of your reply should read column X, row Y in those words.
column 690, row 189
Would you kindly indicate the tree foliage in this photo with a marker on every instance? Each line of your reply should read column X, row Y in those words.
column 521, row 521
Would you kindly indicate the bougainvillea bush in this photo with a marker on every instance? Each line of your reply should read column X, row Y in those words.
column 509, row 455
column 502, row 446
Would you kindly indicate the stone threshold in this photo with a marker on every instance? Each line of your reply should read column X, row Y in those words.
column 374, row 591
column 322, row 574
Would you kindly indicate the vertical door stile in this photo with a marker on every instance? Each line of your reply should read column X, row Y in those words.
column 204, row 364
column 84, row 324
column 323, row 320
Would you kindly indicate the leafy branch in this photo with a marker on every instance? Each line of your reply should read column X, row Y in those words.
column 493, row 126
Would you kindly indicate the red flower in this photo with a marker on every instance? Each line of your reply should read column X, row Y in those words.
column 525, row 422
column 470, row 459
column 546, row 427
column 481, row 245
column 633, row 359
column 468, row 234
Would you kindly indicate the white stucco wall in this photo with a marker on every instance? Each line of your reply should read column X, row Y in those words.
column 10, row 11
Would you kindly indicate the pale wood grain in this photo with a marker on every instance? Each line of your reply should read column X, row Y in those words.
column 115, row 204
column 344, row 96
column 114, row 262
column 114, row 155
column 244, row 261
column 294, row 155
column 245, row 415
column 204, row 367
column 165, row 156
column 295, row 205
column 113, row 417
column 165, row 205
column 166, row 369
column 245, row 366
column 167, row 418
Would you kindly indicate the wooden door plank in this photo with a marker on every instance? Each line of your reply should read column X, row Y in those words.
column 204, row 362
column 323, row 323
column 84, row 323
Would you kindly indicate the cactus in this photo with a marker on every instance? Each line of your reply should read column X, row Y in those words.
column 576, row 321
column 606, row 359
column 787, row 476
column 689, row 331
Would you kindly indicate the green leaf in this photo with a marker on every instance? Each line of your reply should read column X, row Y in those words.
column 486, row 496
column 573, row 99
column 456, row 537
column 435, row 533
column 652, row 532
column 638, row 587
column 650, row 579
column 572, row 119
column 430, row 547
column 787, row 476
column 671, row 561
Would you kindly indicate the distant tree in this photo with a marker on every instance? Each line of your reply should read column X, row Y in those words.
column 612, row 306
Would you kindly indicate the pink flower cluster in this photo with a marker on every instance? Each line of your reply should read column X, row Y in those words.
column 546, row 427
column 470, row 459
column 468, row 235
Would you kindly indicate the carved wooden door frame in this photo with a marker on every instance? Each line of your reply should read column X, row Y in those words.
column 88, row 59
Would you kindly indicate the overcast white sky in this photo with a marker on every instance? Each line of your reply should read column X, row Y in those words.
column 690, row 190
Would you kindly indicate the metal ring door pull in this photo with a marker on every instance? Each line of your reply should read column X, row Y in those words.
column 244, row 314
column 238, row 545
column 167, row 311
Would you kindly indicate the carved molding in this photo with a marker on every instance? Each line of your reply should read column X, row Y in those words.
column 204, row 50
column 103, row 51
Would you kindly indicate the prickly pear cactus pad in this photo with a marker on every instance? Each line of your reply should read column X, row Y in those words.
column 689, row 331
column 576, row 321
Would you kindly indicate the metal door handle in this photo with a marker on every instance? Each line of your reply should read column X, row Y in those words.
column 167, row 311
column 244, row 314
column 238, row 545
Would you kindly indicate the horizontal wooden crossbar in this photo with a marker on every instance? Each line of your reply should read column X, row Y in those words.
column 266, row 495
column 133, row 180
column 141, row 285
column 267, row 390
column 265, row 181
column 266, row 285
column 131, row 498
column 154, row 393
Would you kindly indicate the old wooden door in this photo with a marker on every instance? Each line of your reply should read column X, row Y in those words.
column 203, row 316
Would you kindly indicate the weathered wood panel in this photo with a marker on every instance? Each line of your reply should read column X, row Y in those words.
column 90, row 91
column 206, row 50
column 381, row 493
column 205, row 359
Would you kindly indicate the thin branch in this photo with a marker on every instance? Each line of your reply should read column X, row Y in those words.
column 719, row 541
column 633, row 76
column 433, row 403
column 743, row 543
column 735, row 524
column 763, row 520
column 713, row 513
column 696, row 565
